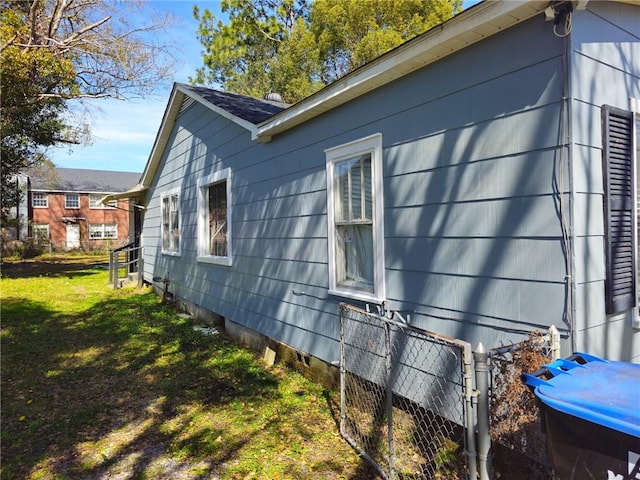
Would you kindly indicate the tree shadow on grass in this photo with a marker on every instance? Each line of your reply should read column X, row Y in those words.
column 126, row 388
column 69, row 381
column 53, row 267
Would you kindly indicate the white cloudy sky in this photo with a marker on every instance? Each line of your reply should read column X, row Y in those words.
column 123, row 131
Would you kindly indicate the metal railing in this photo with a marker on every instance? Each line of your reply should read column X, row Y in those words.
column 128, row 258
column 406, row 397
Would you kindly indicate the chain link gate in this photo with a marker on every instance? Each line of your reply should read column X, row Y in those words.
column 406, row 398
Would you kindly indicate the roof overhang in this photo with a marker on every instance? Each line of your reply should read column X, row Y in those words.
column 176, row 99
column 479, row 22
column 470, row 26
column 133, row 192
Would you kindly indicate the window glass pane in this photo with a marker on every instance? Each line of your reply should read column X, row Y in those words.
column 354, row 199
column 341, row 181
column 41, row 232
column 72, row 200
column 218, row 219
column 355, row 176
column 174, row 219
column 95, row 231
column 355, row 256
column 368, row 195
column 111, row 231
column 165, row 223
column 94, row 200
column 39, row 199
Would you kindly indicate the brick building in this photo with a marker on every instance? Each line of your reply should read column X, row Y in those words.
column 66, row 210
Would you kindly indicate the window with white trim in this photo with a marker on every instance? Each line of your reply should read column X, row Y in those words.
column 95, row 201
column 170, row 206
column 39, row 200
column 71, row 200
column 40, row 232
column 355, row 219
column 98, row 231
column 214, row 218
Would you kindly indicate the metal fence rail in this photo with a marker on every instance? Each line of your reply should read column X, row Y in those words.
column 406, row 397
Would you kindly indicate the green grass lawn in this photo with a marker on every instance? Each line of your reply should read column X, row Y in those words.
column 104, row 384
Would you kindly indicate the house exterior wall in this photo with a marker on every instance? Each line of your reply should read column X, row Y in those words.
column 473, row 228
column 57, row 216
column 605, row 69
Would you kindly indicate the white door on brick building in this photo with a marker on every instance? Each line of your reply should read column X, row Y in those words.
column 73, row 235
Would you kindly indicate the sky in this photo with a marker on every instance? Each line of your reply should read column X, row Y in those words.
column 123, row 132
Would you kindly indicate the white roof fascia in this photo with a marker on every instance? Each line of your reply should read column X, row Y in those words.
column 166, row 126
column 159, row 144
column 220, row 111
column 480, row 21
column 132, row 192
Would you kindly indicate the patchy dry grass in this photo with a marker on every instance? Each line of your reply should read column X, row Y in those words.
column 109, row 384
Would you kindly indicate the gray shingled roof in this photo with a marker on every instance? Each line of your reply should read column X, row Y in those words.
column 84, row 180
column 246, row 108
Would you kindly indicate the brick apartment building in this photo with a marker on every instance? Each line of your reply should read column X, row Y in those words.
column 65, row 209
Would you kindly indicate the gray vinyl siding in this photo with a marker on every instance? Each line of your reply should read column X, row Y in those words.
column 472, row 170
column 472, row 231
column 604, row 53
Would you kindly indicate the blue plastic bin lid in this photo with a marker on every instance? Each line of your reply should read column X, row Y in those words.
column 602, row 392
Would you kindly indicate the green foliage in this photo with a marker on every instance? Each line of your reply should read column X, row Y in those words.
column 53, row 51
column 28, row 121
column 295, row 47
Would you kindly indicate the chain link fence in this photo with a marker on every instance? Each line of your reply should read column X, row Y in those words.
column 406, row 398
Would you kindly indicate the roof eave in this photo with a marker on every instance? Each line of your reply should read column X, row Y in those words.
column 472, row 25
column 134, row 191
column 178, row 93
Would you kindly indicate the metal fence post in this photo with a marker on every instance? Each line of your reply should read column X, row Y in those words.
column 389, row 395
column 110, row 266
column 481, row 357
column 343, row 411
column 140, row 268
column 469, row 420
column 115, row 270
column 554, row 342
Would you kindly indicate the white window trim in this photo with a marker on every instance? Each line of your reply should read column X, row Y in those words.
column 373, row 145
column 46, row 200
column 41, row 226
column 203, row 215
column 101, row 206
column 634, row 106
column 169, row 193
column 101, row 227
column 66, row 203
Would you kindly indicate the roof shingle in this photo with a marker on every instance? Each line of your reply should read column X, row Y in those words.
column 247, row 108
column 84, row 180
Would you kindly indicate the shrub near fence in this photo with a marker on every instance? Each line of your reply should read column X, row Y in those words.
column 516, row 435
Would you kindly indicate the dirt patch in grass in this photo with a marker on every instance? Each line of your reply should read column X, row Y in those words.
column 109, row 384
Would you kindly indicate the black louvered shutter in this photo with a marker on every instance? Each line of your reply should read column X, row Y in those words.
column 617, row 157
